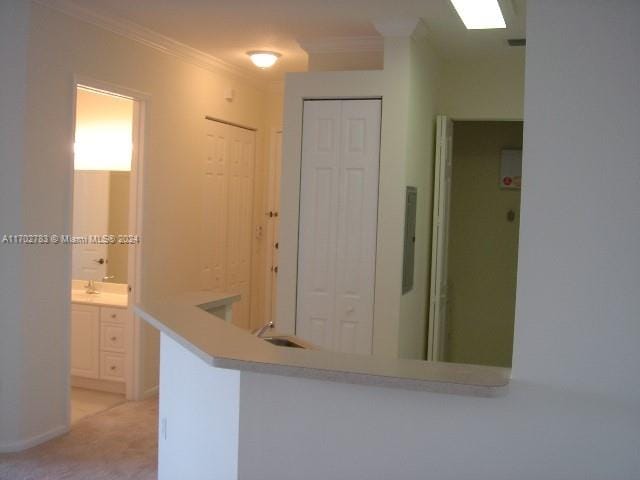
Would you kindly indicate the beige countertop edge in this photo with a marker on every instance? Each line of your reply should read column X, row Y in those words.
column 478, row 387
column 100, row 303
column 109, row 294
column 358, row 378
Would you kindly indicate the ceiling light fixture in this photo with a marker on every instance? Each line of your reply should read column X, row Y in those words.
column 263, row 58
column 480, row 14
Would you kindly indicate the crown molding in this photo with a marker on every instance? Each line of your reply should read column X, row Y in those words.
column 342, row 44
column 151, row 39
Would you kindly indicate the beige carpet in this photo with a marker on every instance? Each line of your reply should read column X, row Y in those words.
column 117, row 444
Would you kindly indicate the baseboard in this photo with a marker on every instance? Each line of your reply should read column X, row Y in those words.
column 150, row 392
column 95, row 384
column 35, row 440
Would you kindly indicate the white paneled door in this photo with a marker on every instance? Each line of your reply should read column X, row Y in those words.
column 228, row 214
column 338, row 223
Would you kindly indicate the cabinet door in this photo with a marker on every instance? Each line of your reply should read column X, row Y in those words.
column 85, row 341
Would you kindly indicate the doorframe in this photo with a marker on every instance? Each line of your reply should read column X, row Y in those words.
column 133, row 381
column 271, row 282
column 352, row 85
column 443, row 161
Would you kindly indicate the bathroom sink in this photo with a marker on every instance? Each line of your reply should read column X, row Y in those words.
column 281, row 342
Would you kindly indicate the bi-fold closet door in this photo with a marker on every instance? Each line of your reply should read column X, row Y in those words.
column 338, row 223
column 228, row 178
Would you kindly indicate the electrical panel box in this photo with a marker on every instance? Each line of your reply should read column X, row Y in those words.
column 511, row 169
column 408, row 257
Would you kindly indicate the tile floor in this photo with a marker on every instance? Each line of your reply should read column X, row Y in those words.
column 89, row 402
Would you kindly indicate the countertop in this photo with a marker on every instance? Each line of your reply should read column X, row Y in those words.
column 223, row 345
column 109, row 294
column 102, row 299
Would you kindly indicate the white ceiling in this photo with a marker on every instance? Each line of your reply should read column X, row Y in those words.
column 227, row 29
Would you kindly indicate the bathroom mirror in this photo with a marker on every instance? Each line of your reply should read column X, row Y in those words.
column 100, row 214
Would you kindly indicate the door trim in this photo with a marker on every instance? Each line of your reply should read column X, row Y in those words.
column 272, row 232
column 136, row 193
column 436, row 339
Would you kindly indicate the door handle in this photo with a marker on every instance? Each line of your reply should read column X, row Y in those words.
column 100, row 261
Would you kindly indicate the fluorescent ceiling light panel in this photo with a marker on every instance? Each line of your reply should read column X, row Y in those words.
column 480, row 14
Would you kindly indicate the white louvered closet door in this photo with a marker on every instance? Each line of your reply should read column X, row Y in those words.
column 227, row 214
column 338, row 223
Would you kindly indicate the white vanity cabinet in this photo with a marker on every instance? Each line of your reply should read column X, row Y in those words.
column 85, row 341
column 98, row 342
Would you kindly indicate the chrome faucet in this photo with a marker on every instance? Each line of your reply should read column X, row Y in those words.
column 90, row 287
column 260, row 331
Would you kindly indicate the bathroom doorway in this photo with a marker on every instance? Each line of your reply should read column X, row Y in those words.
column 105, row 247
column 475, row 241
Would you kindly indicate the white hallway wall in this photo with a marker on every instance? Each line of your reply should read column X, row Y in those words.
column 424, row 82
column 34, row 365
column 572, row 410
column 14, row 30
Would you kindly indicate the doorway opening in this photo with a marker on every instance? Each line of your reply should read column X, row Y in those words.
column 476, row 218
column 104, row 241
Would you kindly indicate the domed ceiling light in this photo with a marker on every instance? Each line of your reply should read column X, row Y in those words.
column 263, row 59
